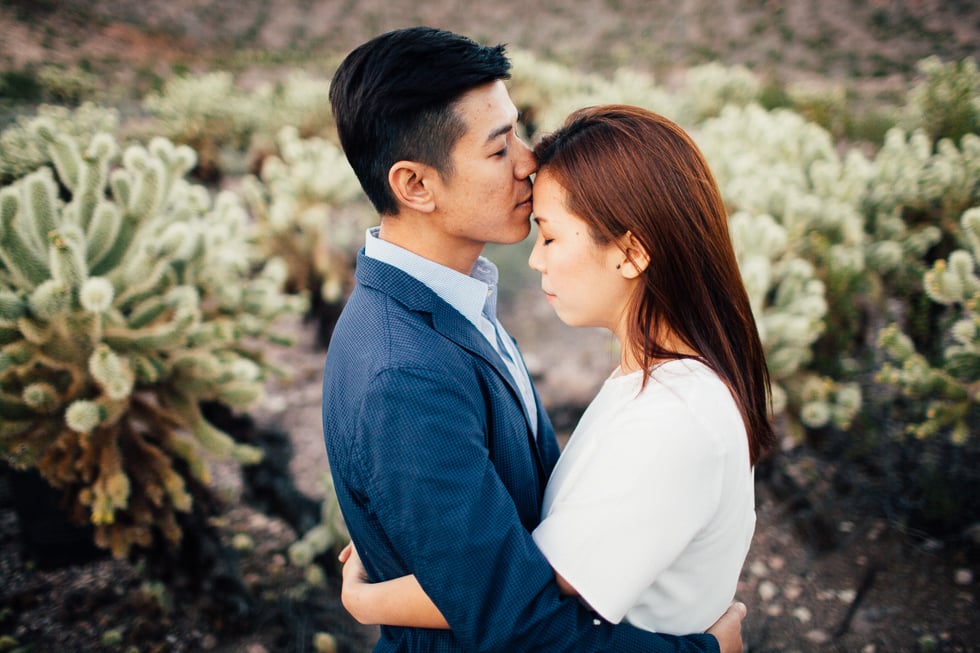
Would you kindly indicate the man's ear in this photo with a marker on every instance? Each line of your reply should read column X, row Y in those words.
column 409, row 181
column 635, row 254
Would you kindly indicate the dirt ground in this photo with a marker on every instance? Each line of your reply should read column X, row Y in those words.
column 826, row 572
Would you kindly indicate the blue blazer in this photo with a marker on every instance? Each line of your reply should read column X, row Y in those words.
column 438, row 473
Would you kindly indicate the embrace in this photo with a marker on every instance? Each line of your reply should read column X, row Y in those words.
column 469, row 531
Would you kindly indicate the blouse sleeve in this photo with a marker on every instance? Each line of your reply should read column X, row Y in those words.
column 650, row 483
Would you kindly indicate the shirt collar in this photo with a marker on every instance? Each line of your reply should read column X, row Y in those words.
column 471, row 294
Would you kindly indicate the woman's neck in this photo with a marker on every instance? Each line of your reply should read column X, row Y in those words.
column 629, row 362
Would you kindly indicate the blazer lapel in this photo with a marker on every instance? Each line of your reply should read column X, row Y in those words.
column 415, row 295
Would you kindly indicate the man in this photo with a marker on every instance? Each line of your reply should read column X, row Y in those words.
column 438, row 445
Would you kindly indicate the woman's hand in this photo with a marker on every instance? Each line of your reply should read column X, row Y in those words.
column 396, row 602
column 355, row 590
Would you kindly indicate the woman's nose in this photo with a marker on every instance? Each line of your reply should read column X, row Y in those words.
column 534, row 261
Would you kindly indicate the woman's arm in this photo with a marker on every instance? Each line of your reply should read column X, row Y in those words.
column 563, row 585
column 396, row 602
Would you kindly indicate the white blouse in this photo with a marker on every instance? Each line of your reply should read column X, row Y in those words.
column 650, row 510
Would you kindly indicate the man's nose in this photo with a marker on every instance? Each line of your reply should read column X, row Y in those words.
column 527, row 163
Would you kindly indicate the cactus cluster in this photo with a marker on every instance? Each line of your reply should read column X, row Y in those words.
column 330, row 534
column 216, row 116
column 946, row 101
column 207, row 113
column 946, row 392
column 309, row 210
column 127, row 294
column 547, row 92
column 800, row 240
column 126, row 298
column 22, row 150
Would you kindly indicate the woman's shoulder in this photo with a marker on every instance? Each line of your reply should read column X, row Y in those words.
column 688, row 396
column 686, row 377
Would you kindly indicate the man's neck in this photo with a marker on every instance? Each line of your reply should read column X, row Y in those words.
column 417, row 237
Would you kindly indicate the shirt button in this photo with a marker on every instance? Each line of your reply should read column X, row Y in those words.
column 596, row 622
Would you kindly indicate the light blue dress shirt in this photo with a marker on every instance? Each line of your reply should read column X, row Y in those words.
column 474, row 296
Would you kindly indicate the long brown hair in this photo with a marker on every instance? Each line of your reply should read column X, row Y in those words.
column 624, row 168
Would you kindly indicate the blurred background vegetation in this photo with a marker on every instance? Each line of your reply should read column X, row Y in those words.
column 171, row 187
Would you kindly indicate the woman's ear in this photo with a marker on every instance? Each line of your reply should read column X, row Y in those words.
column 409, row 181
column 635, row 254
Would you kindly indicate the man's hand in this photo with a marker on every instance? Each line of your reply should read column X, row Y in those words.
column 728, row 629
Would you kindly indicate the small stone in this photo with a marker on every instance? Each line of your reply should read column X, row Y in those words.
column 256, row 648
column 868, row 648
column 774, row 610
column 325, row 643
column 826, row 595
column 758, row 568
column 767, row 590
column 777, row 562
column 242, row 542
column 963, row 577
column 818, row 636
column 792, row 592
column 845, row 526
column 847, row 596
column 803, row 615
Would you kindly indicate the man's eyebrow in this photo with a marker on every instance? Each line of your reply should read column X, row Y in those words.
column 503, row 129
column 499, row 131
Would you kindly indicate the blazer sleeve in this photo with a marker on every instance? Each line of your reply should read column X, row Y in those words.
column 421, row 450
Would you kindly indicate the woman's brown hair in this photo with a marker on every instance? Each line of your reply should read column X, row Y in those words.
column 627, row 169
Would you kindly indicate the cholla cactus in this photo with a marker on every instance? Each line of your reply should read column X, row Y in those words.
column 214, row 115
column 949, row 392
column 790, row 308
column 330, row 533
column 301, row 100
column 919, row 185
column 822, row 103
column 22, row 150
column 711, row 87
column 547, row 92
column 119, row 313
column 800, row 238
column 206, row 112
column 309, row 210
column 946, row 102
column 69, row 85
column 916, row 196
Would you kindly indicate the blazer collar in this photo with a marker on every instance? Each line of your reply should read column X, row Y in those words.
column 446, row 320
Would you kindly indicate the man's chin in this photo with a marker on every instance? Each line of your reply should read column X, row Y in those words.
column 514, row 238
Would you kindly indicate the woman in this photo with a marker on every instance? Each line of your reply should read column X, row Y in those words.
column 650, row 511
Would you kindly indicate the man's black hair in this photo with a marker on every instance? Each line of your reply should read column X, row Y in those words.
column 393, row 97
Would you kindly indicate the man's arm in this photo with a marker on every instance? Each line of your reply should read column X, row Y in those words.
column 403, row 602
